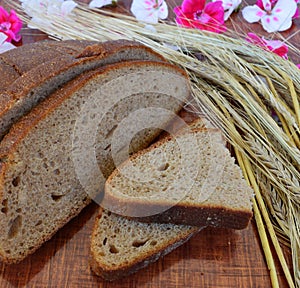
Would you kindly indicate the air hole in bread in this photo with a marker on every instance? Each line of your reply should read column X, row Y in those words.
column 16, row 181
column 139, row 243
column 107, row 147
column 56, row 197
column 4, row 208
column 113, row 249
column 56, row 172
column 15, row 227
column 111, row 131
column 104, row 241
column 163, row 167
column 153, row 242
column 39, row 223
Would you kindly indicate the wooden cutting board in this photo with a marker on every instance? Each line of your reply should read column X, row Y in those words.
column 213, row 258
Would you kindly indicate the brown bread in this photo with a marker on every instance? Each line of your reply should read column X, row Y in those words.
column 194, row 183
column 120, row 246
column 34, row 71
column 40, row 185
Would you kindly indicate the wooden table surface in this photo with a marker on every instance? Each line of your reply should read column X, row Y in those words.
column 213, row 258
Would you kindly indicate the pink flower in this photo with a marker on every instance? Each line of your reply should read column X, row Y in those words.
column 10, row 24
column 277, row 18
column 274, row 46
column 195, row 14
column 149, row 11
column 298, row 65
column 260, row 4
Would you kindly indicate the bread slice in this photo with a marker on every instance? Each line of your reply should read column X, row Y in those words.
column 47, row 172
column 120, row 246
column 189, row 179
column 34, row 71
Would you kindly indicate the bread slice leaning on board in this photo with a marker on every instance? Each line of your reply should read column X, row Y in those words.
column 33, row 71
column 40, row 181
column 189, row 179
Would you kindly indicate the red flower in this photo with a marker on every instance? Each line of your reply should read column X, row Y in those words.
column 10, row 24
column 195, row 14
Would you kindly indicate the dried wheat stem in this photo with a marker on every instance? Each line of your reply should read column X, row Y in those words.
column 260, row 212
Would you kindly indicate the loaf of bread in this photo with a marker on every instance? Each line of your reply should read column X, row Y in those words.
column 41, row 185
column 33, row 71
column 190, row 179
column 120, row 246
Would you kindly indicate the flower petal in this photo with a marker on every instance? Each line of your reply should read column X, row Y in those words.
column 5, row 46
column 149, row 11
column 267, row 5
column 253, row 13
column 190, row 6
column 3, row 38
column 99, row 3
column 163, row 11
column 142, row 14
column 67, row 7
column 216, row 11
column 282, row 15
column 3, row 14
column 253, row 38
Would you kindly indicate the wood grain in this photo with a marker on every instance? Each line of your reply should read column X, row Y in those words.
column 213, row 258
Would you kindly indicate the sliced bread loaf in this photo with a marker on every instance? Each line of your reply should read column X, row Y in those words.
column 34, row 71
column 46, row 176
column 121, row 246
column 189, row 179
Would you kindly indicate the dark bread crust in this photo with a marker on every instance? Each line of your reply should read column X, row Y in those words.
column 8, row 75
column 45, row 66
column 215, row 216
column 125, row 269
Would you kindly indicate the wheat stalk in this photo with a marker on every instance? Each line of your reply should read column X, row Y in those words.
column 236, row 84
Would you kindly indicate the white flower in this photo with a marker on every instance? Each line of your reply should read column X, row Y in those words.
column 5, row 46
column 277, row 19
column 229, row 7
column 149, row 11
column 37, row 9
column 101, row 3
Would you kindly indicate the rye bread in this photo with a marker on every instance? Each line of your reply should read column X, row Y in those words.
column 34, row 71
column 120, row 246
column 190, row 179
column 40, row 188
